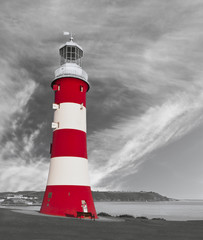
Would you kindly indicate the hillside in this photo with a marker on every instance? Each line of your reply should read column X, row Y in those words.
column 35, row 198
column 129, row 196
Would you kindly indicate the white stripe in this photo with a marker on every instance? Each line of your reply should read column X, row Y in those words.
column 71, row 116
column 68, row 171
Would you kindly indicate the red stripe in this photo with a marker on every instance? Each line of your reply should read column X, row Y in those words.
column 70, row 90
column 69, row 142
column 67, row 200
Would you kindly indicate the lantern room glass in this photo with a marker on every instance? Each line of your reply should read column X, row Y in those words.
column 71, row 54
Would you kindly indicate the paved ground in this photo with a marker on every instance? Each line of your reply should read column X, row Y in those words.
column 25, row 225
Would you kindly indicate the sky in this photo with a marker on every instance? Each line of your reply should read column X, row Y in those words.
column 144, row 60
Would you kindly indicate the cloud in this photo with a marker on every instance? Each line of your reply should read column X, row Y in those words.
column 170, row 72
column 15, row 93
column 21, row 169
column 117, row 152
column 145, row 69
column 16, row 176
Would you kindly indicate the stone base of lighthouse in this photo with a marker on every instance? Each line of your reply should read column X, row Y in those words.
column 70, row 201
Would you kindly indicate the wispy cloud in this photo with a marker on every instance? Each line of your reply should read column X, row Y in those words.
column 145, row 68
column 15, row 92
column 22, row 169
column 117, row 152
column 15, row 176
column 170, row 71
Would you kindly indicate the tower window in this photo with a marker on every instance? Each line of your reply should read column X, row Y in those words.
column 55, row 106
column 50, row 148
column 55, row 125
column 56, row 87
column 81, row 88
column 49, row 194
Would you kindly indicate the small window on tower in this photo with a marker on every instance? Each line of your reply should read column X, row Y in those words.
column 55, row 125
column 55, row 106
column 50, row 148
column 56, row 87
column 49, row 194
column 81, row 88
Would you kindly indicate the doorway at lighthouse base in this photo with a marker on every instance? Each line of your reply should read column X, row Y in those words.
column 70, row 201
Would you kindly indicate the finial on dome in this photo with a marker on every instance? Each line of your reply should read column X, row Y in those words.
column 71, row 36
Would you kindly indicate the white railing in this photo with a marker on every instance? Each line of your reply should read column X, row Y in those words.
column 71, row 70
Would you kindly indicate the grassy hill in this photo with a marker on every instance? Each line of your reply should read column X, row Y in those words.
column 129, row 196
column 35, row 198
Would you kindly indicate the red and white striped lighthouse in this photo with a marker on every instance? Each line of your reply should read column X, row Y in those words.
column 68, row 191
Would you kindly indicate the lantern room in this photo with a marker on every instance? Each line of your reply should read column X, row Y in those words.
column 71, row 60
column 71, row 52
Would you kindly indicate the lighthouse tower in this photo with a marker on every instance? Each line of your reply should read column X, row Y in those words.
column 68, row 191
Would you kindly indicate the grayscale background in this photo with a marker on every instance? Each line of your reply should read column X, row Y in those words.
column 145, row 105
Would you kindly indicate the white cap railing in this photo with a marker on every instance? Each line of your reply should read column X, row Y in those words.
column 71, row 70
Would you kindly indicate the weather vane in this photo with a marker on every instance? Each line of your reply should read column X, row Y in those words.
column 67, row 34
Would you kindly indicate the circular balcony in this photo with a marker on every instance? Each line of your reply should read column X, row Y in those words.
column 71, row 70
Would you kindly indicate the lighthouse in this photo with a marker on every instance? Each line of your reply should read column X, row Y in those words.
column 68, row 191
